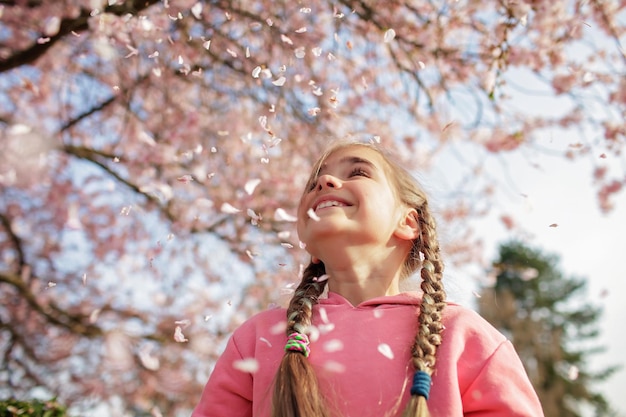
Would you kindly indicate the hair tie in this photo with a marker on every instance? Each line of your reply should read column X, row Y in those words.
column 298, row 342
column 421, row 384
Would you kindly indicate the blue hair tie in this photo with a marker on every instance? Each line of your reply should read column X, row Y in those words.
column 421, row 384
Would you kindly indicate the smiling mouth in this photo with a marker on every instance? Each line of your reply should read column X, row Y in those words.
column 329, row 203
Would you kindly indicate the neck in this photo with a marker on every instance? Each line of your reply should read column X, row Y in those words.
column 361, row 275
column 358, row 291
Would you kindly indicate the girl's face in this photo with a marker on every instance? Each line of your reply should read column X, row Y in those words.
column 352, row 196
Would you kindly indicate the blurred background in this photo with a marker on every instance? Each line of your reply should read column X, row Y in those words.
column 152, row 154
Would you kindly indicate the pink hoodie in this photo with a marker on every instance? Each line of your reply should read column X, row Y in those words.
column 362, row 360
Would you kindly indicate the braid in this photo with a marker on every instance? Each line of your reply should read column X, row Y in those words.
column 430, row 327
column 305, row 296
column 296, row 390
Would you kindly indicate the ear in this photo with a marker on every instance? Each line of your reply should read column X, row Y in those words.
column 408, row 227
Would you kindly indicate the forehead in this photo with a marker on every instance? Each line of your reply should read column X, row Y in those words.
column 350, row 155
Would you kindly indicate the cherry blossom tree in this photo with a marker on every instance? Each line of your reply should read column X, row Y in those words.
column 153, row 153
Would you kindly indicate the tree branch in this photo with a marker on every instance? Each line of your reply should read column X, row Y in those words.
column 15, row 240
column 67, row 26
column 74, row 323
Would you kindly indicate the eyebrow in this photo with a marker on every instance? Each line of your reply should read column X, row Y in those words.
column 350, row 160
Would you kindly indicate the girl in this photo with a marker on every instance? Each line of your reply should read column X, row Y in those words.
column 366, row 349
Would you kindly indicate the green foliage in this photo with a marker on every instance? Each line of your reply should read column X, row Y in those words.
column 32, row 408
column 552, row 326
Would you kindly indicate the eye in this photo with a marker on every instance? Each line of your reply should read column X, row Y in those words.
column 358, row 172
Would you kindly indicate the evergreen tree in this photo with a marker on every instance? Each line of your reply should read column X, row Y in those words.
column 552, row 326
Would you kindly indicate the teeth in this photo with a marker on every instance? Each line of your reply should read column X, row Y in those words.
column 329, row 203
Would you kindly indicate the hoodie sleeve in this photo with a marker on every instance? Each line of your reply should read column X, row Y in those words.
column 501, row 388
column 229, row 391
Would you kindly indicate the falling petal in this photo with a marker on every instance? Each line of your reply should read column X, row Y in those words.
column 333, row 366
column 148, row 360
column 229, row 209
column 73, row 219
column 179, row 336
column 322, row 278
column 251, row 185
column 385, row 350
column 185, row 179
column 390, row 34
column 529, row 274
column 524, row 20
column 323, row 315
column 254, row 216
column 300, row 52
column 279, row 82
column 52, row 26
column 287, row 290
column 326, row 328
column 314, row 333
column 93, row 317
column 250, row 365
column 278, row 328
column 196, row 10
column 333, row 345
column 554, row 225
column 285, row 234
column 312, row 215
column 256, row 72
column 117, row 350
column 280, row 215
column 314, row 111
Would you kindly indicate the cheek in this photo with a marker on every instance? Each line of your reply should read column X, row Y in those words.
column 299, row 228
column 300, row 222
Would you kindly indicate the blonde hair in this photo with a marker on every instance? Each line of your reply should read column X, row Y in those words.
column 296, row 390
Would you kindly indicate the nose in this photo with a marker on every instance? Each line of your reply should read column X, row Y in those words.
column 327, row 181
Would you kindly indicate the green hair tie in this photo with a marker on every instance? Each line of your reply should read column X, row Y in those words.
column 298, row 342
